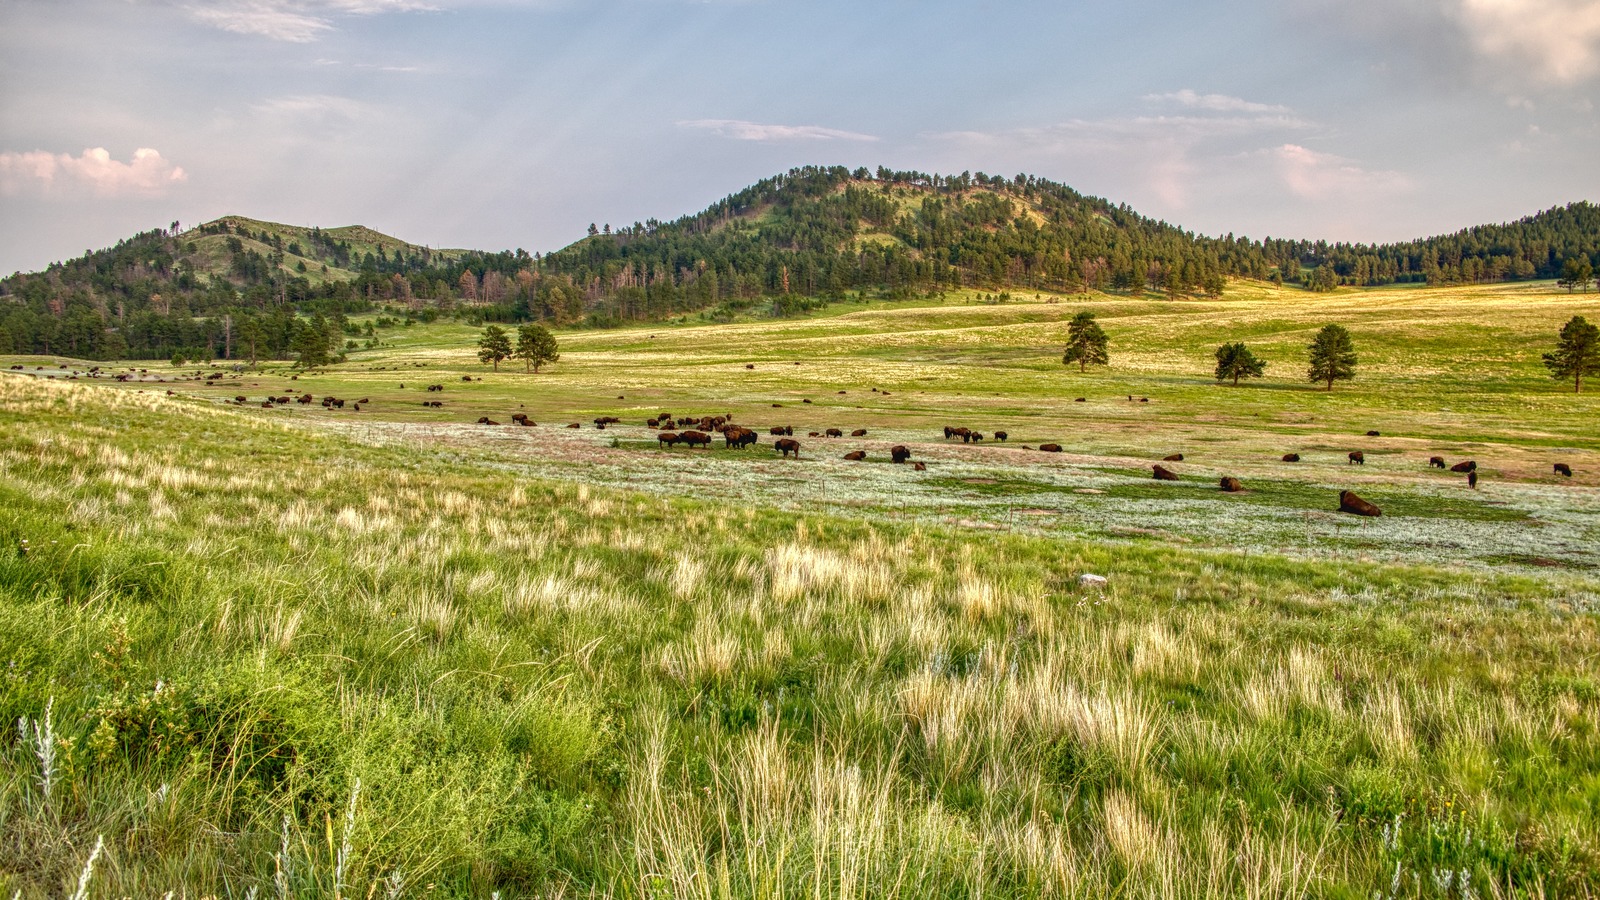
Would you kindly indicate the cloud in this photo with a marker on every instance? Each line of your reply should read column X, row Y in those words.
column 1215, row 102
column 147, row 174
column 1311, row 175
column 307, row 105
column 754, row 131
column 295, row 21
column 1558, row 39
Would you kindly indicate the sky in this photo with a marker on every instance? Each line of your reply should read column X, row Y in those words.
column 499, row 124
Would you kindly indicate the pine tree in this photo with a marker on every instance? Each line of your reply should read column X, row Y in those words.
column 494, row 346
column 310, row 345
column 1576, row 272
column 1577, row 353
column 1236, row 361
column 535, row 347
column 1086, row 342
column 1333, row 356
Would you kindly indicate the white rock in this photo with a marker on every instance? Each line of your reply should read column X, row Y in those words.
column 1087, row 580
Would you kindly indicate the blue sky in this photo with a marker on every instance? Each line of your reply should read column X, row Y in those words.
column 496, row 125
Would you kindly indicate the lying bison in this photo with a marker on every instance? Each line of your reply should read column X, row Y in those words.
column 1374, row 433
column 1465, row 466
column 856, row 455
column 1357, row 458
column 920, row 467
column 1350, row 503
column 899, row 453
column 1162, row 473
column 1231, row 485
column 1563, row 469
column 1176, row 457
column 1291, row 457
column 787, row 446
column 1050, row 448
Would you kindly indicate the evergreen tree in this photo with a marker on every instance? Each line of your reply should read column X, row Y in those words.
column 535, row 347
column 310, row 345
column 1577, row 353
column 1235, row 361
column 1086, row 342
column 1576, row 273
column 494, row 346
column 1333, row 356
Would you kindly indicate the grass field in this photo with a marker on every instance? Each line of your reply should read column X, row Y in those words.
column 299, row 652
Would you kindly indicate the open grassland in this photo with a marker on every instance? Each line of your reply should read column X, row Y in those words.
column 261, row 659
column 1453, row 372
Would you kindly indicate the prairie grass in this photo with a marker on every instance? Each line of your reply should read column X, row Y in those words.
column 546, row 688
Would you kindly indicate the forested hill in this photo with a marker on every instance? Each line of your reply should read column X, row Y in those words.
column 774, row 248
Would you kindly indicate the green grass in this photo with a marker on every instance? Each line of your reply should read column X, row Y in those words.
column 558, row 667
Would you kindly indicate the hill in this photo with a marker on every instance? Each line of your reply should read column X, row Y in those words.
column 778, row 248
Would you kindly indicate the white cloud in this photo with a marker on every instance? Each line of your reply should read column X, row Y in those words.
column 755, row 131
column 147, row 174
column 1215, row 102
column 1322, row 176
column 295, row 21
column 1558, row 39
column 313, row 105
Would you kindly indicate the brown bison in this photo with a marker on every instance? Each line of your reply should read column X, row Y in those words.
column 1350, row 503
column 1357, row 458
column 1436, row 462
column 1081, row 400
column 1465, row 466
column 899, row 453
column 608, row 420
column 959, row 432
column 487, row 421
column 695, row 438
column 1472, row 480
column 972, row 437
column 240, row 399
column 1050, row 448
column 1291, row 457
column 738, row 438
column 1563, row 469
column 1176, row 457
column 920, row 467
column 1374, row 433
column 575, row 425
column 667, row 438
column 813, row 434
column 1001, row 436
column 834, row 432
column 1162, row 473
column 781, row 430
column 859, row 432
column 856, row 455
column 787, row 446
column 1231, row 484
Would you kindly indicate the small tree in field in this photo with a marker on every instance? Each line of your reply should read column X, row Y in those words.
column 536, row 346
column 1333, row 356
column 1086, row 343
column 1577, row 353
column 494, row 346
column 1235, row 361
column 1576, row 272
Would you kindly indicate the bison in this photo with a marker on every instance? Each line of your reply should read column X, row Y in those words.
column 1563, row 469
column 787, row 446
column 959, row 432
column 856, row 455
column 667, row 438
column 1436, row 462
column 834, row 432
column 1175, row 457
column 1374, row 433
column 899, row 453
column 739, row 438
column 1231, row 485
column 1001, row 436
column 1465, row 466
column 1357, row 458
column 1472, row 480
column 781, row 429
column 1081, row 400
column 1291, row 457
column 1050, row 448
column 859, row 432
column 972, row 436
column 695, row 438
column 1350, row 503
column 920, row 467
column 1162, row 473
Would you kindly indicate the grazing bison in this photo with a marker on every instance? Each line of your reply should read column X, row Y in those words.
column 1357, row 458
column 1563, row 469
column 519, row 418
column 859, row 432
column 667, row 438
column 695, row 438
column 781, row 429
column 1465, row 466
column 1291, row 457
column 1436, row 462
column 787, row 446
column 834, row 432
column 1350, row 503
column 1050, row 448
column 739, row 438
column 1231, row 485
column 972, row 436
column 435, row 387
column 608, row 420
column 1001, row 436
column 856, row 455
column 466, row 378
column 652, row 423
column 955, row 432
column 303, row 398
column 1176, row 457
column 899, row 453
column 1162, row 473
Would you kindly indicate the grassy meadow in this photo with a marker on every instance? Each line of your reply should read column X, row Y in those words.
column 326, row 653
